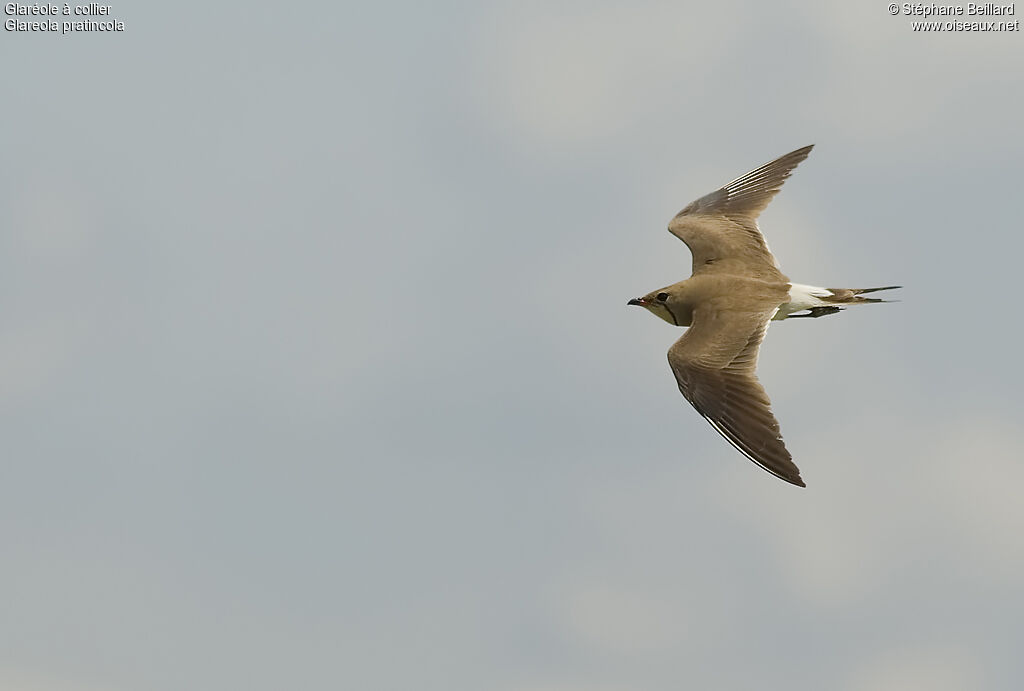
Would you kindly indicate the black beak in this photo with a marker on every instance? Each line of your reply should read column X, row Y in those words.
column 637, row 301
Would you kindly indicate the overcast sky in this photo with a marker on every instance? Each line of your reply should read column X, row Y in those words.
column 316, row 370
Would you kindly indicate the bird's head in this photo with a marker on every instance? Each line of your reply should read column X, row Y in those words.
column 666, row 303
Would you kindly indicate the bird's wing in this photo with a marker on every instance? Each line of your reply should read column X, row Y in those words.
column 721, row 228
column 714, row 363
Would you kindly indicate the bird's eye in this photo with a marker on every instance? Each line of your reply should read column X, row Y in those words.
column 661, row 297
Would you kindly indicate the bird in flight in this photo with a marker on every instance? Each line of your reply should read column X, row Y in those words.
column 735, row 290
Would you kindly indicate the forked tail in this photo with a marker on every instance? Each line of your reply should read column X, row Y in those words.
column 817, row 302
column 852, row 296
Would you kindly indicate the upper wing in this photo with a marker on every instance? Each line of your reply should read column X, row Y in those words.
column 721, row 228
column 714, row 363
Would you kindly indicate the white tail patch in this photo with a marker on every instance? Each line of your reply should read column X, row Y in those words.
column 802, row 297
column 799, row 292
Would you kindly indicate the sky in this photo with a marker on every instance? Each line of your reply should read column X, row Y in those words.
column 316, row 369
